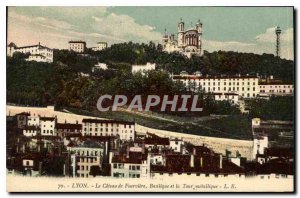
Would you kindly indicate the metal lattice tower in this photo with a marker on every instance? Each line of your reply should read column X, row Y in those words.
column 278, row 32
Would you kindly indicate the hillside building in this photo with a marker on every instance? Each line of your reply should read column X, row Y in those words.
column 143, row 68
column 100, row 46
column 77, row 46
column 94, row 127
column 224, row 87
column 38, row 53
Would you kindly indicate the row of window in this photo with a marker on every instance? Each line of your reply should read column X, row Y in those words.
column 118, row 166
column 82, row 175
column 226, row 97
column 277, row 91
column 279, row 86
column 48, row 131
column 213, row 83
column 83, row 168
column 134, row 167
column 133, row 175
column 87, row 153
column 101, row 129
column 30, row 131
column 106, row 125
column 106, row 130
column 199, row 174
column 229, row 89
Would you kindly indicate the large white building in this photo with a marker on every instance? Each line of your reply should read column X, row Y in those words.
column 95, row 127
column 85, row 156
column 48, row 126
column 274, row 88
column 188, row 41
column 37, row 53
column 143, row 68
column 77, row 46
column 100, row 46
column 135, row 166
column 222, row 86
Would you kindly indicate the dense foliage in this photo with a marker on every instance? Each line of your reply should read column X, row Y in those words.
column 215, row 63
column 65, row 83
column 277, row 108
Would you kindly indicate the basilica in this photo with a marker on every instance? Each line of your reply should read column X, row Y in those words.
column 188, row 42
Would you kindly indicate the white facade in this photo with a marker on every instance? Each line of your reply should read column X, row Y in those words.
column 130, row 170
column 143, row 68
column 48, row 126
column 99, row 66
column 83, row 158
column 77, row 46
column 100, row 46
column 28, row 163
column 37, row 58
column 276, row 89
column 33, row 121
column 156, row 159
column 244, row 86
column 30, row 131
column 231, row 97
column 94, row 127
column 259, row 145
column 37, row 53
column 177, row 145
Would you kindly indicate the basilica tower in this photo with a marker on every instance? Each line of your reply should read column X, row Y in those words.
column 180, row 34
column 200, row 31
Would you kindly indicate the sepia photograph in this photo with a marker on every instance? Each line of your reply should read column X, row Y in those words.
column 150, row 99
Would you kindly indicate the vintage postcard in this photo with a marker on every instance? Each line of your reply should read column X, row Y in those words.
column 118, row 99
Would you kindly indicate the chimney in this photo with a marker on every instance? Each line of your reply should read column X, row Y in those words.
column 194, row 151
column 40, row 167
column 192, row 161
column 127, row 152
column 111, row 155
column 201, row 162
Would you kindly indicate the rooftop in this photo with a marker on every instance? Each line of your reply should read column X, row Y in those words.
column 107, row 121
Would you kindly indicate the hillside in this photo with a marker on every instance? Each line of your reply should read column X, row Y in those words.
column 61, row 83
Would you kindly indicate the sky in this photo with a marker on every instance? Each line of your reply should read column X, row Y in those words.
column 243, row 29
